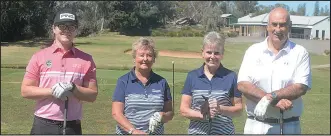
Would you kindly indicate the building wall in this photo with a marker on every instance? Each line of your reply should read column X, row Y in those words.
column 324, row 25
column 252, row 30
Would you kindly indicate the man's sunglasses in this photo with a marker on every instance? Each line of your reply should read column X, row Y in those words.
column 67, row 27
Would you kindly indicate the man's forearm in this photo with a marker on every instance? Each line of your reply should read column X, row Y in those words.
column 291, row 92
column 85, row 94
column 250, row 91
column 36, row 93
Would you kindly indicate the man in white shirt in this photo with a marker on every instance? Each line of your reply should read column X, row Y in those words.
column 273, row 76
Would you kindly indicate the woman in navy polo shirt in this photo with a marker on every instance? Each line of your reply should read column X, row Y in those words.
column 142, row 101
column 210, row 97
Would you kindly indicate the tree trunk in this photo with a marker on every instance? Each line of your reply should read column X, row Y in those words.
column 102, row 21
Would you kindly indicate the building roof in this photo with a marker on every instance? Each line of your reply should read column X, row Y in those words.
column 296, row 20
column 226, row 15
column 250, row 19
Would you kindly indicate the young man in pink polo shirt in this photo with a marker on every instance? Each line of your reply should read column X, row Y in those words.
column 58, row 73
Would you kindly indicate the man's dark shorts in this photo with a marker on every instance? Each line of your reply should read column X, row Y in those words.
column 42, row 126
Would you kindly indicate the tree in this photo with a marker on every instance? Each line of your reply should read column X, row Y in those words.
column 301, row 9
column 282, row 5
column 168, row 10
column 321, row 11
column 24, row 19
column 261, row 9
column 212, row 17
column 325, row 11
column 138, row 17
column 316, row 9
column 292, row 12
column 243, row 8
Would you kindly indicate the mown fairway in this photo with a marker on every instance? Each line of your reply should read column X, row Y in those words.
column 108, row 53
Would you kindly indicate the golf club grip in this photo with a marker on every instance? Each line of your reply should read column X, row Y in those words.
column 65, row 117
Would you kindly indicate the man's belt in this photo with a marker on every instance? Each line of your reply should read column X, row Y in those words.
column 55, row 122
column 268, row 120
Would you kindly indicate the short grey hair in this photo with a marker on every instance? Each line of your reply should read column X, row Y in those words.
column 214, row 38
column 144, row 43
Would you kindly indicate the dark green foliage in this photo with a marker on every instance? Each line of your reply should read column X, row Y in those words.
column 22, row 20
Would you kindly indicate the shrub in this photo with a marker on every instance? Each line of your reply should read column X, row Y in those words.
column 232, row 34
column 180, row 34
column 186, row 28
column 172, row 34
column 155, row 33
column 327, row 52
column 185, row 31
column 189, row 33
column 197, row 34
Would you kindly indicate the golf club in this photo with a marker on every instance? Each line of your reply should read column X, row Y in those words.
column 208, row 116
column 173, row 86
column 281, row 122
column 65, row 117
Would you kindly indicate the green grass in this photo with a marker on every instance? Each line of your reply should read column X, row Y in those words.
column 107, row 51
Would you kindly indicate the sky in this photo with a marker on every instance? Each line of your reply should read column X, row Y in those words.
column 294, row 4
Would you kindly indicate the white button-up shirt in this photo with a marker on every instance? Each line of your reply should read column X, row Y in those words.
column 272, row 72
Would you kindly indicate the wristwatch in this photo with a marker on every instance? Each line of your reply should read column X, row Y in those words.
column 131, row 131
column 273, row 96
column 274, row 99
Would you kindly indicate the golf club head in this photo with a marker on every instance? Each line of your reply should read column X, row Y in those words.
column 204, row 97
column 206, row 116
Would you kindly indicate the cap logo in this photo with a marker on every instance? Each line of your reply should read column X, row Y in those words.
column 67, row 16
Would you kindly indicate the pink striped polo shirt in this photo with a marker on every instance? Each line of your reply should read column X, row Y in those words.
column 51, row 65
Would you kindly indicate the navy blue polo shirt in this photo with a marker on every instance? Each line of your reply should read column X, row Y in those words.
column 222, row 86
column 141, row 101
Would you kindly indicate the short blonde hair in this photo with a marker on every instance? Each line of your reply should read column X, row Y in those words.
column 144, row 43
column 214, row 38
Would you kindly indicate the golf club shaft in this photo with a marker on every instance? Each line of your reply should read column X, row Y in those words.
column 173, row 85
column 209, row 125
column 65, row 116
column 281, row 122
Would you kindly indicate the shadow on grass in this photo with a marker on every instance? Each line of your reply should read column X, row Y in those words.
column 82, row 43
column 183, row 70
column 41, row 42
column 30, row 43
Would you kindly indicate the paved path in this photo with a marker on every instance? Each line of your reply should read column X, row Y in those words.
column 321, row 66
column 313, row 46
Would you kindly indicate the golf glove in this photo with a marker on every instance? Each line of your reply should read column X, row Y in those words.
column 154, row 122
column 62, row 90
column 261, row 107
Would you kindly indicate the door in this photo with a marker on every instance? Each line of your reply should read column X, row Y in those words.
column 323, row 34
column 316, row 33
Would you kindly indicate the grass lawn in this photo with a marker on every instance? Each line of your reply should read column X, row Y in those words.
column 107, row 51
